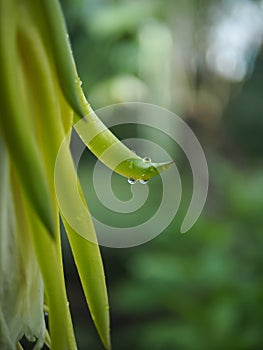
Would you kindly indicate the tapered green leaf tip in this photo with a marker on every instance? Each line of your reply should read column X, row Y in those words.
column 141, row 168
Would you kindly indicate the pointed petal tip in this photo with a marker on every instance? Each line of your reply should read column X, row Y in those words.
column 163, row 166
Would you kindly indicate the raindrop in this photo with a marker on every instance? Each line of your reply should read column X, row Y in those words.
column 132, row 181
column 143, row 182
column 147, row 160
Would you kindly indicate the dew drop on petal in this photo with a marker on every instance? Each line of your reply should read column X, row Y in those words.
column 132, row 181
column 147, row 160
column 143, row 182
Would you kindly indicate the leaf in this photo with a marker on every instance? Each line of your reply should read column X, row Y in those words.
column 65, row 66
column 15, row 120
column 89, row 264
column 83, row 241
column 48, row 253
column 112, row 152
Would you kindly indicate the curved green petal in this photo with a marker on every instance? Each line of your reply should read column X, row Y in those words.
column 111, row 151
column 89, row 264
column 15, row 124
column 65, row 65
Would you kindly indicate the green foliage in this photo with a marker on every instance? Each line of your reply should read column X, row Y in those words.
column 202, row 290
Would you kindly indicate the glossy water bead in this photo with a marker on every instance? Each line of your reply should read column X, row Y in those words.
column 147, row 160
column 132, row 181
column 143, row 182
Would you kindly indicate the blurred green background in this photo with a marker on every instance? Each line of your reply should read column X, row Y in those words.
column 203, row 60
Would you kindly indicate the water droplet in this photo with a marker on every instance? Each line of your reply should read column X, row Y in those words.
column 147, row 160
column 143, row 182
column 132, row 181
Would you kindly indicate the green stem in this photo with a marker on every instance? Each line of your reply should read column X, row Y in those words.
column 111, row 151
